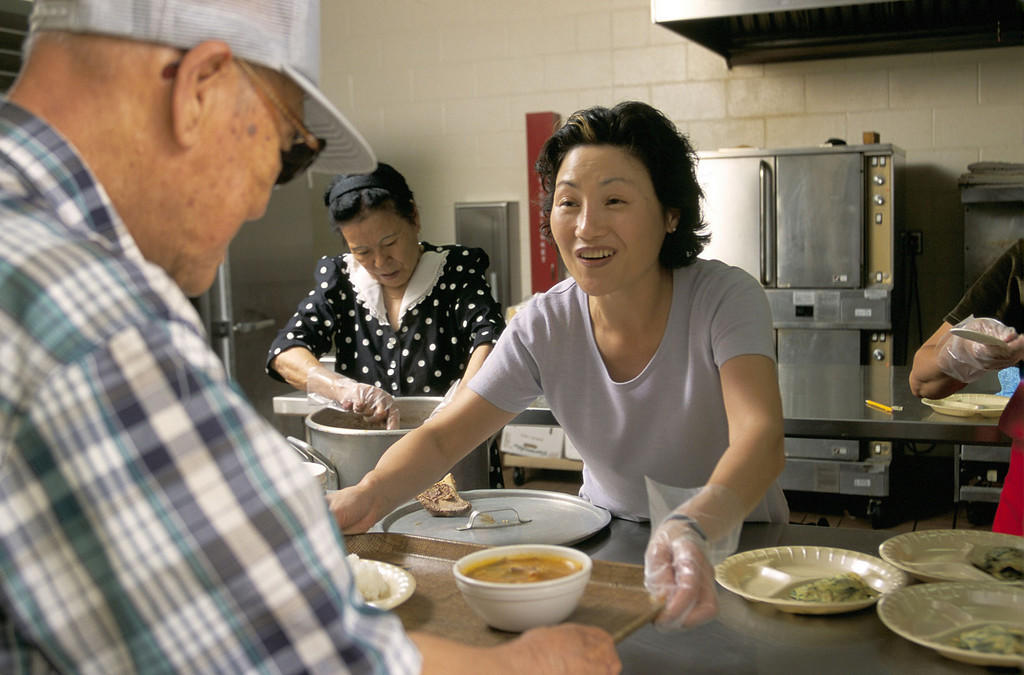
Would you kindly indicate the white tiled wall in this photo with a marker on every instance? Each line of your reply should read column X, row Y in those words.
column 441, row 88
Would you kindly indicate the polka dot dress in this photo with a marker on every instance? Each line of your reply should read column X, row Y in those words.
column 424, row 354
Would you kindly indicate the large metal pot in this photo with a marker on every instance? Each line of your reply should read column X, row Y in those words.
column 351, row 450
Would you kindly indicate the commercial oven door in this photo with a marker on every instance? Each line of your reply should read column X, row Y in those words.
column 820, row 220
column 739, row 211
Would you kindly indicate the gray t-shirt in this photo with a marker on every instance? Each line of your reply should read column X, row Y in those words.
column 669, row 421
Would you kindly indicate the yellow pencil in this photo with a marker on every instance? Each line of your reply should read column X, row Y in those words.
column 878, row 406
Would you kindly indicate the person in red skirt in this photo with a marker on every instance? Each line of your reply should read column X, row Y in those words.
column 946, row 363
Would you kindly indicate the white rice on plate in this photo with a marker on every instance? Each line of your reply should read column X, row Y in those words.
column 369, row 581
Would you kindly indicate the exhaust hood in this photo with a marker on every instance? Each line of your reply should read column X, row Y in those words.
column 763, row 31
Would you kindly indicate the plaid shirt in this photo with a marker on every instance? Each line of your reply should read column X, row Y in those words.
column 150, row 520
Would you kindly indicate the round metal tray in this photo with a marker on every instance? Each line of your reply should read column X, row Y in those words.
column 515, row 517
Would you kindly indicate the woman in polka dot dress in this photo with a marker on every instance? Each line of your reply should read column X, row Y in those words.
column 406, row 318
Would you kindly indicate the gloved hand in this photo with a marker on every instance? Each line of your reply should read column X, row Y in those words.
column 682, row 551
column 373, row 403
column 966, row 360
column 448, row 396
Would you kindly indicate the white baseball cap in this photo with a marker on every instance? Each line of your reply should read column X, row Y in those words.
column 283, row 35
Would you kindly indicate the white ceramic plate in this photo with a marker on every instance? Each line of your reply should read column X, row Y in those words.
column 977, row 336
column 401, row 583
column 943, row 555
column 928, row 614
column 767, row 575
column 966, row 405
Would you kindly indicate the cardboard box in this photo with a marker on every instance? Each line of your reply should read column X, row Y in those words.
column 569, row 450
column 535, row 441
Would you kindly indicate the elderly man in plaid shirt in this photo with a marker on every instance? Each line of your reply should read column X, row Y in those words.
column 150, row 520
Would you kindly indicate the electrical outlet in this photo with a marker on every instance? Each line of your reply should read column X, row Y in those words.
column 915, row 242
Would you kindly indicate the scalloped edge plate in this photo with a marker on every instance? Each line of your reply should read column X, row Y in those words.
column 401, row 583
column 925, row 613
column 991, row 405
column 925, row 546
column 741, row 573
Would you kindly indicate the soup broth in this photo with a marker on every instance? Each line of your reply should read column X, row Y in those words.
column 522, row 569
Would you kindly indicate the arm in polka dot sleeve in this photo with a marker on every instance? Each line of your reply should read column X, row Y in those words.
column 480, row 315
column 314, row 322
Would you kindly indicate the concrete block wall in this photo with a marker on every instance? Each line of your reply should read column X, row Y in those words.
column 441, row 89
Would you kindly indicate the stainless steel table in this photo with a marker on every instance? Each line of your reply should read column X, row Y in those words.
column 828, row 402
column 754, row 638
column 857, row 452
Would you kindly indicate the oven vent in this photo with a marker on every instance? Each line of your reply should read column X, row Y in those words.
column 764, row 31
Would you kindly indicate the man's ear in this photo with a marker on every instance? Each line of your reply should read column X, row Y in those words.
column 201, row 70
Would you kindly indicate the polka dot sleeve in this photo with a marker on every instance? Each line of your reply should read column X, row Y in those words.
column 313, row 324
column 479, row 315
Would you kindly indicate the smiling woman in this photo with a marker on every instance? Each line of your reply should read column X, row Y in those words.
column 655, row 362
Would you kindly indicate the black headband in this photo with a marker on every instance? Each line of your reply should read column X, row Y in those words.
column 384, row 178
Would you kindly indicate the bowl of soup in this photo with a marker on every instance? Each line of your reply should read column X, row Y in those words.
column 514, row 588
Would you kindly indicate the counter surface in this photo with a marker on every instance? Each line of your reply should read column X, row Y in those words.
column 754, row 638
column 828, row 402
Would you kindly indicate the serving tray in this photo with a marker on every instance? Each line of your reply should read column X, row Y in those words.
column 615, row 598
column 512, row 517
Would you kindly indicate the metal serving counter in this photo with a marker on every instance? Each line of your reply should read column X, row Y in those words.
column 837, row 445
column 749, row 637
column 828, row 401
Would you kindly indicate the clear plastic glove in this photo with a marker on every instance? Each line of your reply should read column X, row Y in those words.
column 373, row 403
column 966, row 360
column 448, row 396
column 681, row 553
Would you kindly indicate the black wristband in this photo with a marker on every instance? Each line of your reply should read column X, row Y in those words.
column 687, row 519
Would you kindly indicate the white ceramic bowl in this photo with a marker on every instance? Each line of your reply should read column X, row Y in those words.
column 517, row 607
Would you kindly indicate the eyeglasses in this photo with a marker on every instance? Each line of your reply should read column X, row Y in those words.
column 305, row 146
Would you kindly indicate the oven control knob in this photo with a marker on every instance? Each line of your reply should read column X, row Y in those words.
column 879, row 199
column 879, row 180
column 878, row 355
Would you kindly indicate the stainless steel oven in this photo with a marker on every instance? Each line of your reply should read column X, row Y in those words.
column 820, row 229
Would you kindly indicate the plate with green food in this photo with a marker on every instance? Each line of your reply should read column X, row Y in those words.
column 956, row 555
column 975, row 622
column 809, row 579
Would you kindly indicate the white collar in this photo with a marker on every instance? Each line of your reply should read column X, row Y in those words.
column 368, row 292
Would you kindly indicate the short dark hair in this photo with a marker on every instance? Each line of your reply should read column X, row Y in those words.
column 350, row 196
column 652, row 138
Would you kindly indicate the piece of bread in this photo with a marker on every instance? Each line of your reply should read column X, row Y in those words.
column 442, row 499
